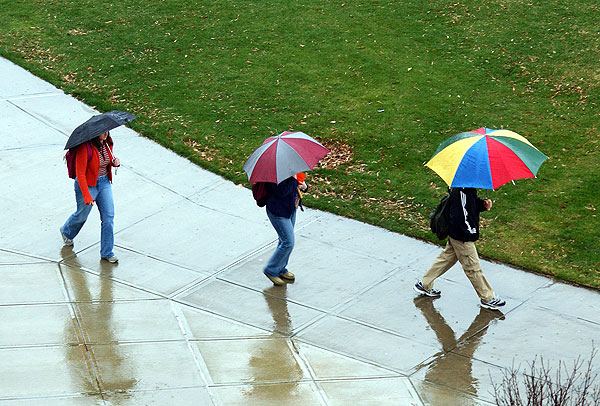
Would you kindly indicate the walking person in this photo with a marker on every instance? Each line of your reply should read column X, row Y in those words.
column 463, row 217
column 94, row 162
column 281, row 206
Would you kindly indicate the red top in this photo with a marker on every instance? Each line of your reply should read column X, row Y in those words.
column 87, row 171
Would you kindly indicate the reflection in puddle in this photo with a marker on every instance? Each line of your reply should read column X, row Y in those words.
column 452, row 370
column 98, row 319
column 273, row 359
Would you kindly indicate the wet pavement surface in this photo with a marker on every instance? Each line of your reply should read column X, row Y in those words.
column 187, row 317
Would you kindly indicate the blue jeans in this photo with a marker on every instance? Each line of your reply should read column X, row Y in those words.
column 285, row 230
column 102, row 194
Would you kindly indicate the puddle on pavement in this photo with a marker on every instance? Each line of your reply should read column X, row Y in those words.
column 275, row 360
column 99, row 321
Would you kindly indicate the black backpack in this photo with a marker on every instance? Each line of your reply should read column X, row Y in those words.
column 438, row 219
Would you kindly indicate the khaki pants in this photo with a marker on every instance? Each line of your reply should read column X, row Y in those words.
column 466, row 253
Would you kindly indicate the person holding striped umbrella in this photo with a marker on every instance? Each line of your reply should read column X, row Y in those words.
column 279, row 164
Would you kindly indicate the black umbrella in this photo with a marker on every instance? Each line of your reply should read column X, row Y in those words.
column 97, row 125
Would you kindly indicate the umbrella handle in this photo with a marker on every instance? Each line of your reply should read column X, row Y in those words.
column 112, row 158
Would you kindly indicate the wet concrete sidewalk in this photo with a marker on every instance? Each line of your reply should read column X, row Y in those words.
column 187, row 318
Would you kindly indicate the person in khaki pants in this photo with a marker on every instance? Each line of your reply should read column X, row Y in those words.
column 463, row 217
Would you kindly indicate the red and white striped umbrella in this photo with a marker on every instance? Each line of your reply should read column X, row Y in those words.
column 283, row 156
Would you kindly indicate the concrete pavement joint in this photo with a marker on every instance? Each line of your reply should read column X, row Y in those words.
column 32, row 96
column 224, row 269
column 397, row 371
column 39, row 257
column 89, row 357
column 38, row 119
column 118, row 281
column 194, row 350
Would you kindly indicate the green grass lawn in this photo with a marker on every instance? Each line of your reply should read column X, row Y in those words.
column 381, row 83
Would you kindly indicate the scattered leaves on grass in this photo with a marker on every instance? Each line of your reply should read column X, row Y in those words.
column 203, row 151
column 340, row 154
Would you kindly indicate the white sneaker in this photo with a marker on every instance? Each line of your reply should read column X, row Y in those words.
column 67, row 241
column 112, row 260
column 419, row 288
column 494, row 304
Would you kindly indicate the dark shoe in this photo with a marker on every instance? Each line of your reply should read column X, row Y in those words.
column 277, row 281
column 66, row 240
column 419, row 288
column 112, row 260
column 493, row 304
column 287, row 276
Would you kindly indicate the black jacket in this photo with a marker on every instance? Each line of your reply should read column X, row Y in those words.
column 282, row 199
column 463, row 212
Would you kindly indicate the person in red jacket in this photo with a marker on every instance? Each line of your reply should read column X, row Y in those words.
column 93, row 184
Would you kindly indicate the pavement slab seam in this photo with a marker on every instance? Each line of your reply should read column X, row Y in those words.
column 31, row 96
column 479, row 400
column 43, row 345
column 119, row 282
column 375, row 327
column 343, row 247
column 267, row 332
column 300, row 327
column 194, row 350
column 204, row 189
column 338, row 307
column 37, row 118
column 39, row 258
column 314, row 374
column 297, row 329
column 488, row 397
column 215, row 275
column 31, row 147
column 135, row 251
column 351, row 356
column 88, row 355
column 85, row 395
column 192, row 305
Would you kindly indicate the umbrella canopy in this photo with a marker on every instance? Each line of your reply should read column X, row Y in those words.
column 283, row 156
column 97, row 125
column 485, row 159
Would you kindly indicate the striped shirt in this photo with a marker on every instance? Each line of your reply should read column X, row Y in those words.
column 104, row 160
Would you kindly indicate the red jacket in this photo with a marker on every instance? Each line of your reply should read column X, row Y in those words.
column 87, row 171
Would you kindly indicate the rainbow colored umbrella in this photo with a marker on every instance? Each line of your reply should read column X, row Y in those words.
column 485, row 159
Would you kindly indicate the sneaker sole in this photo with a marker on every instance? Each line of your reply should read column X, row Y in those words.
column 425, row 293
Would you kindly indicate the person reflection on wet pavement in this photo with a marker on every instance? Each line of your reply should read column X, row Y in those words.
column 97, row 313
column 273, row 360
column 454, row 371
